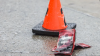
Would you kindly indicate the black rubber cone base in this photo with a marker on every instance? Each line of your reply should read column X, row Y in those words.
column 38, row 29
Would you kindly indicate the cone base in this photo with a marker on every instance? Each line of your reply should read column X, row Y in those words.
column 39, row 30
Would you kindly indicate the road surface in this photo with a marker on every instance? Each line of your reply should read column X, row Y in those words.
column 18, row 17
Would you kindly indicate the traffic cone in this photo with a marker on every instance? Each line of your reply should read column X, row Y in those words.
column 54, row 21
column 54, row 18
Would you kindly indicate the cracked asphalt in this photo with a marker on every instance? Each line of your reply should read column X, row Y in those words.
column 18, row 17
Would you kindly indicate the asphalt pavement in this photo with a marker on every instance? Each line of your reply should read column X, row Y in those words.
column 18, row 17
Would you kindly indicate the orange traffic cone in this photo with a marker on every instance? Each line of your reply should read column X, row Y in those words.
column 54, row 19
